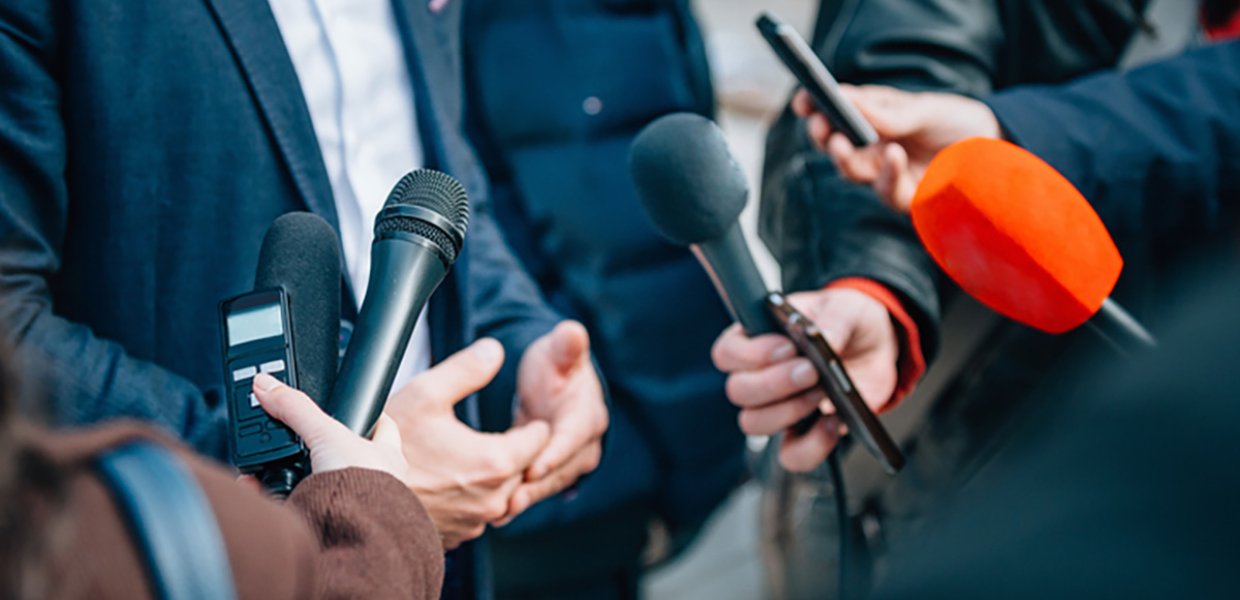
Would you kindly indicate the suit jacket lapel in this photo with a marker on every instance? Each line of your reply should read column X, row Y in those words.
column 255, row 39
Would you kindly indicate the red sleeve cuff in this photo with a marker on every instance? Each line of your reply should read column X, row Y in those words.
column 912, row 363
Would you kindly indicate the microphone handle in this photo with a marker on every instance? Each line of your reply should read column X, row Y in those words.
column 404, row 272
column 1120, row 329
column 731, row 268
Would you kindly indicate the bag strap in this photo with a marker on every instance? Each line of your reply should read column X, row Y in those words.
column 171, row 521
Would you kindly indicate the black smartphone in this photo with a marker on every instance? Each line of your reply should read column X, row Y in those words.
column 816, row 79
column 836, row 384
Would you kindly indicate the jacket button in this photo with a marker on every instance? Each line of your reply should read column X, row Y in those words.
column 592, row 106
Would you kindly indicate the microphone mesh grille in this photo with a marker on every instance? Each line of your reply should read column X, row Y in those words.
column 419, row 228
column 437, row 192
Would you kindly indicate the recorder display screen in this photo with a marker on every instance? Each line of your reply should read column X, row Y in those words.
column 254, row 324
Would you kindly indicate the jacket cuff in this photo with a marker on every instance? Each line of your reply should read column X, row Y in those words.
column 912, row 363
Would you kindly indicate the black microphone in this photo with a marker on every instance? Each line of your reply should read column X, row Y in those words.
column 301, row 254
column 418, row 236
column 694, row 191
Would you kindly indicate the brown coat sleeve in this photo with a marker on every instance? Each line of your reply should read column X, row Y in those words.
column 377, row 540
column 344, row 534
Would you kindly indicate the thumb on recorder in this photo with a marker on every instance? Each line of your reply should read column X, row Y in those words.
column 332, row 446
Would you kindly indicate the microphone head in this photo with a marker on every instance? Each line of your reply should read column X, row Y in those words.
column 430, row 206
column 1015, row 234
column 301, row 253
column 687, row 180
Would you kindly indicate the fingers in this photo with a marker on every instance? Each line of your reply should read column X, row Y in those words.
column 802, row 103
column 452, row 380
column 801, row 453
column 859, row 165
column 251, row 482
column 748, row 389
column 295, row 409
column 535, row 491
column 386, row 432
column 895, row 183
column 570, row 345
column 819, row 129
column 773, row 418
column 734, row 351
column 892, row 112
column 523, row 444
column 572, row 433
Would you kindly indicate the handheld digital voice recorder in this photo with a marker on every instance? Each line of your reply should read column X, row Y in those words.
column 259, row 339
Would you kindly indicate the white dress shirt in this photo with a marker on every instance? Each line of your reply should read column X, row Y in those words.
column 351, row 64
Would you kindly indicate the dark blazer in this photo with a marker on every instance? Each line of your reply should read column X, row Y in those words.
column 145, row 146
column 559, row 89
column 144, row 149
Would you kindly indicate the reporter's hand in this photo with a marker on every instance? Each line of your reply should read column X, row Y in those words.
column 332, row 446
column 912, row 129
column 463, row 477
column 775, row 388
column 557, row 383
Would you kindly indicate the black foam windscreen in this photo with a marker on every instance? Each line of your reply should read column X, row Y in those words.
column 687, row 180
column 301, row 253
column 436, row 192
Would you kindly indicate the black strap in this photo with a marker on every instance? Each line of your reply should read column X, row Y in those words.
column 171, row 521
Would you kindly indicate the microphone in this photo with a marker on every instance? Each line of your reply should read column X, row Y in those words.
column 418, row 235
column 1015, row 234
column 301, row 255
column 693, row 191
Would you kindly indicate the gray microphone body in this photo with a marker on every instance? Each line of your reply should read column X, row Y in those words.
column 731, row 268
column 418, row 236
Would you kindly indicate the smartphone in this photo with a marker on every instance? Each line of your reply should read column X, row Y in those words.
column 792, row 50
column 836, row 384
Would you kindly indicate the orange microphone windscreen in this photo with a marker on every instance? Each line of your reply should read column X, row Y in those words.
column 1015, row 234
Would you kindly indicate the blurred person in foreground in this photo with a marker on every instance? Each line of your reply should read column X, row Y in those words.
column 829, row 233
column 351, row 529
column 1123, row 487
column 558, row 91
column 145, row 148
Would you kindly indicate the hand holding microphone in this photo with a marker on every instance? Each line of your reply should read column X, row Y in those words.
column 332, row 446
column 775, row 388
column 693, row 191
